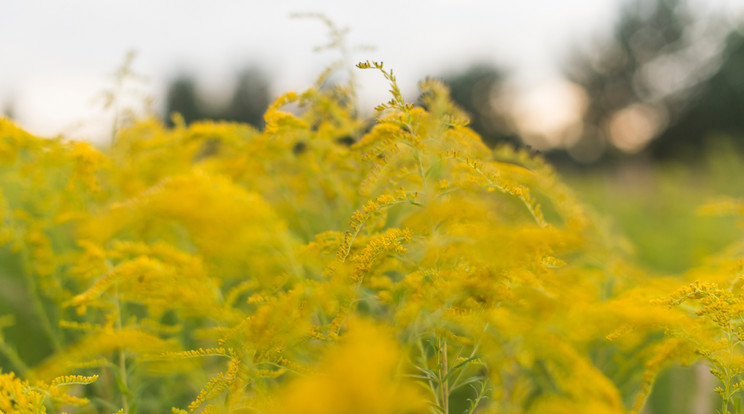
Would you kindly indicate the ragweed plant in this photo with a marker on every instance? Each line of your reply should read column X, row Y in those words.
column 316, row 265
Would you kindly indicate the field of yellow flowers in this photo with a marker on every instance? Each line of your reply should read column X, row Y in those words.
column 217, row 268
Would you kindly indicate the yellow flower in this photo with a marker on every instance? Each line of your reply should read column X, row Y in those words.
column 359, row 375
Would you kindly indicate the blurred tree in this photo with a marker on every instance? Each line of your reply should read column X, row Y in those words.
column 619, row 76
column 182, row 98
column 248, row 103
column 477, row 90
column 715, row 107
column 250, row 99
column 9, row 110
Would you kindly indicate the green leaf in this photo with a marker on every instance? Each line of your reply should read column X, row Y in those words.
column 470, row 380
column 431, row 374
column 458, row 366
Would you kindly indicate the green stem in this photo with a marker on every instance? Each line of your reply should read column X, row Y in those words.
column 425, row 365
column 38, row 306
column 481, row 394
column 122, row 357
column 14, row 358
column 443, row 381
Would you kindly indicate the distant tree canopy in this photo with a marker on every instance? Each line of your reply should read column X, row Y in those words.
column 476, row 90
column 9, row 110
column 248, row 103
column 182, row 98
column 612, row 74
column 655, row 86
column 716, row 106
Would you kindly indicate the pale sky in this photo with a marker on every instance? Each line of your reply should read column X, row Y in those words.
column 55, row 56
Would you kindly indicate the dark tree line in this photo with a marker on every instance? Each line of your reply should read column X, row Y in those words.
column 714, row 107
column 476, row 90
column 248, row 103
column 659, row 59
column 654, row 44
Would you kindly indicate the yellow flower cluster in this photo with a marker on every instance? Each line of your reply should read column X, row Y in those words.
column 73, row 379
column 715, row 332
column 409, row 271
column 18, row 397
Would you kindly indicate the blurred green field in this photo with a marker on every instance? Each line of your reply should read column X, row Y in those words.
column 655, row 206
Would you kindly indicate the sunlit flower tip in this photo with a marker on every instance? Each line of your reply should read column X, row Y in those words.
column 73, row 379
column 553, row 262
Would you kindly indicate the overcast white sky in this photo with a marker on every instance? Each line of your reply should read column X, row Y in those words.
column 55, row 55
